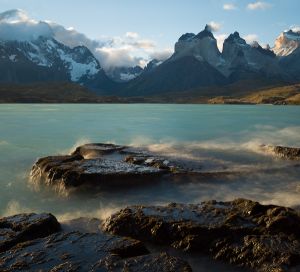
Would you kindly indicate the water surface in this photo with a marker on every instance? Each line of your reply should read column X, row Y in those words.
column 226, row 135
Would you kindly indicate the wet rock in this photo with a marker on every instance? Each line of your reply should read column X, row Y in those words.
column 227, row 230
column 102, row 165
column 149, row 263
column 25, row 227
column 35, row 242
column 75, row 251
column 290, row 153
column 263, row 252
column 157, row 162
column 96, row 150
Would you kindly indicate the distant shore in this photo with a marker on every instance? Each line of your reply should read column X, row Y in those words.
column 72, row 93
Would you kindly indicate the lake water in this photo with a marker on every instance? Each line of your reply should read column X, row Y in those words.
column 219, row 135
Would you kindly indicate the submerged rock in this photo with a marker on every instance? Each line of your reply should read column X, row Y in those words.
column 103, row 165
column 241, row 231
column 25, row 227
column 74, row 251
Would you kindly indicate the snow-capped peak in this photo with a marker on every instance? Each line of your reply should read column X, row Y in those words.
column 287, row 43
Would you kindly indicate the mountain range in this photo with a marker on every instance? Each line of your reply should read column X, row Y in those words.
column 197, row 65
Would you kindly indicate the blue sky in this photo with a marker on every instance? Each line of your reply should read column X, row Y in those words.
column 164, row 21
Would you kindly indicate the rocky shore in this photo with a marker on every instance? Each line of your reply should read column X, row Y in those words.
column 242, row 232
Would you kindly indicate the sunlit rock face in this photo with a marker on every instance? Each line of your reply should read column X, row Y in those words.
column 287, row 47
column 287, row 43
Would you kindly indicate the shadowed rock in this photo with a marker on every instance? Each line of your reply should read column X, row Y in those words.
column 25, row 227
column 241, row 231
column 23, row 250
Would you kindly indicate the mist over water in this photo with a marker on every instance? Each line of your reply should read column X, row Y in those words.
column 211, row 137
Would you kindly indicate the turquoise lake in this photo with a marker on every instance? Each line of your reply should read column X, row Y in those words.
column 221, row 134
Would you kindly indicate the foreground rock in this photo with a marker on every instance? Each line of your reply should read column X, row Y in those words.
column 242, row 232
column 291, row 153
column 74, row 251
column 25, row 227
column 288, row 153
column 103, row 165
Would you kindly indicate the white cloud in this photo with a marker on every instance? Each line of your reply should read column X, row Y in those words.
column 220, row 40
column 229, row 6
column 144, row 44
column 258, row 5
column 214, row 26
column 250, row 38
column 16, row 25
column 295, row 28
column 127, row 50
column 132, row 35
column 162, row 55
column 111, row 57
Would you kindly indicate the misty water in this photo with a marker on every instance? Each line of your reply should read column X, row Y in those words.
column 215, row 136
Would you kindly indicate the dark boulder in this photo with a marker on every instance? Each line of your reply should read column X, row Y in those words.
column 227, row 230
column 25, row 227
column 75, row 251
column 35, row 242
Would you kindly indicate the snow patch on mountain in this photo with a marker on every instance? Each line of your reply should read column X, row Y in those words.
column 77, row 69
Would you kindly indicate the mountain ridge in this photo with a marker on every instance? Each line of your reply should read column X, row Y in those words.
column 196, row 63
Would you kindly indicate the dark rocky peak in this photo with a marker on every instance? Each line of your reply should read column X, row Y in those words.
column 265, row 51
column 152, row 65
column 187, row 37
column 293, row 32
column 235, row 38
column 205, row 33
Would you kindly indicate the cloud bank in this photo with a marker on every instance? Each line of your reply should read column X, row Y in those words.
column 214, row 26
column 16, row 25
column 251, row 38
column 124, row 51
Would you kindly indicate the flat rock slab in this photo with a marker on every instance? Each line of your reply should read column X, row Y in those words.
column 25, row 227
column 228, row 230
column 31, row 242
column 74, row 251
column 103, row 165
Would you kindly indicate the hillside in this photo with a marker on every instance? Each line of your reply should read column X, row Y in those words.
column 285, row 95
column 51, row 93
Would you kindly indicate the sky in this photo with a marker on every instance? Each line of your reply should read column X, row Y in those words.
column 150, row 28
